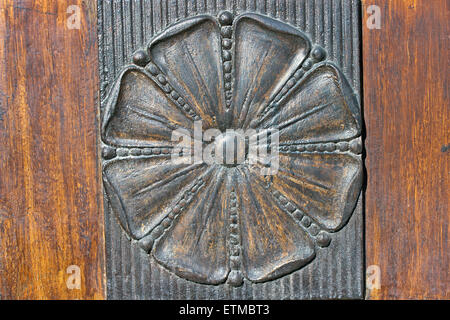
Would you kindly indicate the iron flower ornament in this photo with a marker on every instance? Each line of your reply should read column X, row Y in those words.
column 225, row 223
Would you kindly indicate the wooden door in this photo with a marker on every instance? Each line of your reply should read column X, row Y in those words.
column 53, row 233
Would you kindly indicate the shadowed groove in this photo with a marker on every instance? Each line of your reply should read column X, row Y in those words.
column 151, row 117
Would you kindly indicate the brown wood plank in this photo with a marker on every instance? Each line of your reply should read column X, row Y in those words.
column 406, row 105
column 50, row 203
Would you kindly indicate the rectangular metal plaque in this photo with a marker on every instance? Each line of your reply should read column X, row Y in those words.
column 184, row 85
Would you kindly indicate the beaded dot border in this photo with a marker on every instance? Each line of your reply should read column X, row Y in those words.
column 320, row 236
column 235, row 278
column 226, row 35
column 147, row 242
column 353, row 146
column 316, row 55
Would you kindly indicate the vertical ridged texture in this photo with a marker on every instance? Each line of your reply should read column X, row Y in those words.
column 337, row 271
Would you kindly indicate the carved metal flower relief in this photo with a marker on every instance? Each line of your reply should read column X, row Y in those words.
column 214, row 223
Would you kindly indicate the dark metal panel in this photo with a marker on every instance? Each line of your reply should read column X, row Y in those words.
column 335, row 271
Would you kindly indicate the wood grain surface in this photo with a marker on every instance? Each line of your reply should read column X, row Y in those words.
column 50, row 199
column 406, row 95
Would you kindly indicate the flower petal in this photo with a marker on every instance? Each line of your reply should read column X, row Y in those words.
column 273, row 243
column 321, row 108
column 189, row 54
column 195, row 247
column 138, row 112
column 325, row 186
column 267, row 53
column 141, row 190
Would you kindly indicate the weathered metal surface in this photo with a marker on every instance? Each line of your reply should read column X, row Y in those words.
column 182, row 230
